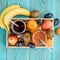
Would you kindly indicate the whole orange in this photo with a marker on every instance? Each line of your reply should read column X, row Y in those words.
column 58, row 31
column 32, row 25
column 48, row 42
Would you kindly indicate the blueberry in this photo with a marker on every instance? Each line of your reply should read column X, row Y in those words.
column 56, row 21
column 31, row 45
column 48, row 15
column 40, row 21
column 20, row 43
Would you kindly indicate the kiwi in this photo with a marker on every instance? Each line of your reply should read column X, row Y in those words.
column 35, row 14
column 50, row 34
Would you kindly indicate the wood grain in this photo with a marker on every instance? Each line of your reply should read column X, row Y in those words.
column 43, row 6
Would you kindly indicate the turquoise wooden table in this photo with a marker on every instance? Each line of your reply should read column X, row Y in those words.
column 44, row 6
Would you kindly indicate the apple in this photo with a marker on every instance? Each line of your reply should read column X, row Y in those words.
column 12, row 39
column 46, row 25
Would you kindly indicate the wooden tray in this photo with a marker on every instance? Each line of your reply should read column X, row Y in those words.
column 7, row 46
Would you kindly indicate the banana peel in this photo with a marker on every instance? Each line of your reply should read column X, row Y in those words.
column 2, row 25
column 14, row 12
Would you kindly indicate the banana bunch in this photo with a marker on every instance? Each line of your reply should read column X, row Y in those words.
column 10, row 12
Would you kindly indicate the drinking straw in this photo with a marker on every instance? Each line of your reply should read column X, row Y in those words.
column 7, row 18
column 46, row 45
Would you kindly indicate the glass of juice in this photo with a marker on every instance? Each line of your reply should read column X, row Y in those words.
column 37, row 36
column 20, row 28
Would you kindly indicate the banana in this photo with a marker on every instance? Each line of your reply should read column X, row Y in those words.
column 14, row 12
column 6, row 11
column 0, row 20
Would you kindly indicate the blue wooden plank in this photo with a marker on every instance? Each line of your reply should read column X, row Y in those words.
column 2, row 44
column 11, row 2
column 56, row 50
column 34, row 54
column 57, row 8
column 24, row 54
column 2, row 34
column 56, row 53
column 40, row 54
column 2, row 5
column 18, row 54
column 43, row 6
column 13, row 54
